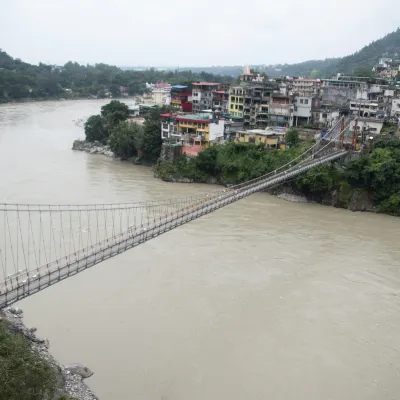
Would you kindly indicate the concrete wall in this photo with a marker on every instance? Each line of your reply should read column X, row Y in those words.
column 216, row 130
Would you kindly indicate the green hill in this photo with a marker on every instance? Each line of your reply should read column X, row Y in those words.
column 367, row 57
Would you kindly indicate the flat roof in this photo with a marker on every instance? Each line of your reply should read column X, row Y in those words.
column 205, row 83
column 263, row 132
column 341, row 81
column 179, row 87
column 193, row 117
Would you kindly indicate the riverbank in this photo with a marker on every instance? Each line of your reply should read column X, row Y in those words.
column 69, row 379
column 352, row 187
column 369, row 182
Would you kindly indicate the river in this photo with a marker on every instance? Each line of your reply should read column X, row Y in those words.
column 263, row 299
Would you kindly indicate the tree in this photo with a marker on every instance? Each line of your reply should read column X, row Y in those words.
column 317, row 180
column 364, row 72
column 115, row 112
column 124, row 138
column 152, row 140
column 292, row 137
column 94, row 129
column 314, row 73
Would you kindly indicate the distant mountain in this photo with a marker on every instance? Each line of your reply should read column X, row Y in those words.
column 367, row 57
column 312, row 68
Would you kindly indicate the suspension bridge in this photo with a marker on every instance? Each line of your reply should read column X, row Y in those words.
column 41, row 245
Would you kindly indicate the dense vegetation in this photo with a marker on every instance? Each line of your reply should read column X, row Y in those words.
column 229, row 163
column 126, row 139
column 377, row 174
column 23, row 374
column 23, row 81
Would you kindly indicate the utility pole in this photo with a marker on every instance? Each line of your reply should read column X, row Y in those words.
column 342, row 132
column 355, row 129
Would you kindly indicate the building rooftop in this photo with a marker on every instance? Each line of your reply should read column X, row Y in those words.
column 193, row 117
column 205, row 84
column 264, row 132
column 179, row 87
column 162, row 84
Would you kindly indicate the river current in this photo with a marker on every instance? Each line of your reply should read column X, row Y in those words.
column 263, row 299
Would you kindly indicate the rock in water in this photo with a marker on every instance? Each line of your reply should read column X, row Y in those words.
column 79, row 369
column 78, row 145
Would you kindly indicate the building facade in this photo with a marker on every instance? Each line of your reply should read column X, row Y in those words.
column 181, row 98
column 280, row 110
column 190, row 128
column 302, row 106
column 204, row 95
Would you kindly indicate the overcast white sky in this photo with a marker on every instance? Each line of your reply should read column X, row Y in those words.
column 191, row 32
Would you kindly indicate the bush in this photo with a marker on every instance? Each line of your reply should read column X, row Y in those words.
column 23, row 374
column 292, row 137
column 391, row 205
column 94, row 129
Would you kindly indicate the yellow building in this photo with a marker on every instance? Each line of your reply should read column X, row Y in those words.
column 192, row 127
column 235, row 102
column 273, row 139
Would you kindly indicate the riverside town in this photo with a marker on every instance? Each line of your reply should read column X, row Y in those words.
column 199, row 229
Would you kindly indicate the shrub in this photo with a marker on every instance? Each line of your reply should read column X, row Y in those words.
column 23, row 373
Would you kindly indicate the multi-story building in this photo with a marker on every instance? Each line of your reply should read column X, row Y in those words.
column 366, row 108
column 221, row 99
column 190, row 128
column 305, row 86
column 340, row 91
column 181, row 98
column 250, row 99
column 204, row 95
column 302, row 106
column 280, row 110
column 161, row 93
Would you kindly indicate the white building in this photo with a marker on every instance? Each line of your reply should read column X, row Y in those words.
column 302, row 110
column 365, row 108
column 161, row 93
column 374, row 126
column 306, row 86
column 395, row 113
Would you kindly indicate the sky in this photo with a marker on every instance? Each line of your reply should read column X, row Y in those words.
column 191, row 33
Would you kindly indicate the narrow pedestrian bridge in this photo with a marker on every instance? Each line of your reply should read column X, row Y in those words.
column 41, row 245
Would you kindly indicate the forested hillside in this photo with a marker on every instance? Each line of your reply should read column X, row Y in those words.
column 367, row 57
column 23, row 81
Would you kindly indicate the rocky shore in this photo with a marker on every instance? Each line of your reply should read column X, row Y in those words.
column 294, row 198
column 92, row 147
column 70, row 377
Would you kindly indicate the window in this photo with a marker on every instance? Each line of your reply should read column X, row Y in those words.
column 301, row 101
column 305, row 101
column 232, row 99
